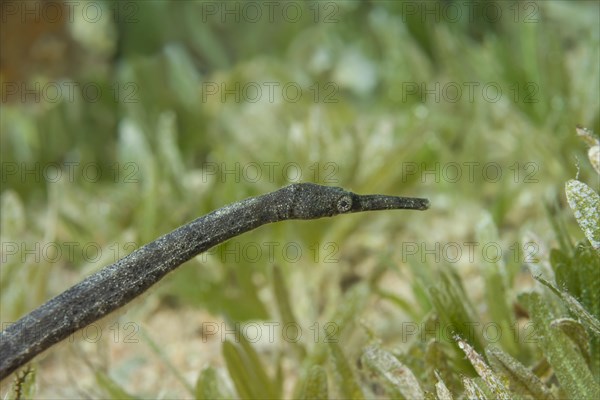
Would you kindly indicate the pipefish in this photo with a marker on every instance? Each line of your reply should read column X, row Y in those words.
column 117, row 284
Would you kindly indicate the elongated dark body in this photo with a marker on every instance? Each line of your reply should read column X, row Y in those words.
column 119, row 283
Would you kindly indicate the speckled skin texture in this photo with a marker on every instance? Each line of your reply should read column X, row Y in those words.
column 117, row 284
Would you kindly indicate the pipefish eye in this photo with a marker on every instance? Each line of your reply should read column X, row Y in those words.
column 344, row 203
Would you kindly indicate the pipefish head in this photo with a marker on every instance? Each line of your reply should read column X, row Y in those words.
column 310, row 201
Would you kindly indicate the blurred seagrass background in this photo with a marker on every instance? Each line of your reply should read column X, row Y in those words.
column 123, row 120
